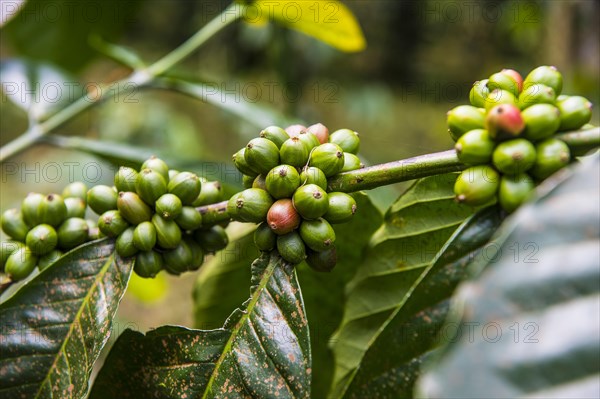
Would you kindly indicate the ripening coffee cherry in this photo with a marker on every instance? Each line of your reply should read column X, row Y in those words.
column 262, row 155
column 6, row 249
column 328, row 157
column 497, row 97
column 264, row 238
column 14, row 225
column 475, row 147
column 282, row 181
column 124, row 244
column 322, row 261
column 212, row 239
column 260, row 182
column 516, row 76
column 53, row 210
column 76, row 189
column 112, row 223
column 211, row 193
column 276, row 134
column 168, row 234
column 504, row 122
column 41, row 239
column 541, row 121
column 251, row 205
column 294, row 152
column 282, row 218
column 148, row 264
column 503, row 81
column 133, row 208
column 342, row 208
column 320, row 131
column 347, row 139
column 477, row 185
column 75, row 207
column 102, row 199
column 20, row 264
column 94, row 232
column 157, row 165
column 46, row 260
column 575, row 111
column 295, row 130
column 514, row 157
column 479, row 93
column 125, row 179
column 144, row 236
column 247, row 181
column 197, row 254
column 291, row 248
column 186, row 186
column 239, row 160
column 318, row 234
column 189, row 219
column 150, row 185
column 72, row 232
column 547, row 75
column 464, row 118
column 311, row 201
column 309, row 140
column 514, row 190
column 179, row 259
column 536, row 94
column 168, row 206
column 351, row 162
column 312, row 175
column 30, row 209
column 552, row 155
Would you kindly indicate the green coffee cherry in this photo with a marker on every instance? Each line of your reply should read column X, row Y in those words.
column 477, row 185
column 504, row 122
column 239, row 160
column 168, row 234
column 6, row 249
column 168, row 206
column 323, row 261
column 75, row 207
column 575, row 112
column 150, row 185
column 342, row 208
column 41, row 239
column 94, row 232
column 211, row 193
column 189, row 219
column 320, row 131
column 264, row 238
column 76, row 189
column 463, row 119
column 294, row 152
column 328, row 157
column 144, row 236
column 179, row 259
column 14, row 225
column 53, row 210
column 312, row 175
column 309, row 140
column 262, row 155
column 552, row 155
column 148, row 264
column 157, row 165
column 250, row 205
column 247, row 181
column 125, row 179
column 479, row 93
column 124, row 244
column 282, row 181
column 318, row 235
column 197, row 254
column 311, row 201
column 514, row 190
column 133, row 208
column 173, row 173
column 260, row 182
column 291, row 248
column 541, row 121
column 72, row 232
column 276, row 134
column 514, row 157
column 503, row 81
column 112, row 223
column 20, row 264
column 282, row 218
column 102, row 199
column 497, row 97
column 186, row 186
column 547, row 75
column 30, row 209
column 536, row 94
column 347, row 139
column 212, row 239
column 351, row 162
column 475, row 147
column 46, row 260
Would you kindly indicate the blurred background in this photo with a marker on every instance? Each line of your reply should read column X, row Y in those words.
column 421, row 60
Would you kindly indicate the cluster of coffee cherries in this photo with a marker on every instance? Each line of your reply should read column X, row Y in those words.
column 151, row 213
column 285, row 173
column 507, row 135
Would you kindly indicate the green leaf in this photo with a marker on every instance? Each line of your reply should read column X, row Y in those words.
column 415, row 228
column 262, row 351
column 528, row 326
column 329, row 21
column 55, row 326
